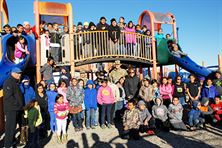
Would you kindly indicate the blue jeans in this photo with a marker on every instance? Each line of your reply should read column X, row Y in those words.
column 77, row 120
column 193, row 121
column 90, row 117
column 96, row 117
column 52, row 121
column 106, row 111
column 182, row 100
column 118, row 106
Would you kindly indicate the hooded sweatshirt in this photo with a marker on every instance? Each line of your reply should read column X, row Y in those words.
column 105, row 95
column 90, row 96
column 51, row 100
column 206, row 110
column 175, row 113
column 160, row 111
column 28, row 93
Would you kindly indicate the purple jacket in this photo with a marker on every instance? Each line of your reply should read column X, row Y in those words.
column 130, row 37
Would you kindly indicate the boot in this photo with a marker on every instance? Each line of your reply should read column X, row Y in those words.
column 59, row 140
column 64, row 138
column 22, row 136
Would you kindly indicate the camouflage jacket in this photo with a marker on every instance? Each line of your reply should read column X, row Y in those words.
column 131, row 119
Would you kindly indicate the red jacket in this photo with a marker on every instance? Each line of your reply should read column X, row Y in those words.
column 217, row 108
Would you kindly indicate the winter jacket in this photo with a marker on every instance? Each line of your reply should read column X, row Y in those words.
column 33, row 115
column 130, row 35
column 54, row 37
column 131, row 86
column 209, row 92
column 175, row 113
column 28, row 93
column 146, row 93
column 20, row 50
column 75, row 95
column 90, row 96
column 51, row 99
column 217, row 108
column 131, row 119
column 160, row 112
column 13, row 99
column 114, row 33
column 61, row 110
column 105, row 95
column 43, row 102
column 100, row 26
column 166, row 91
column 218, row 84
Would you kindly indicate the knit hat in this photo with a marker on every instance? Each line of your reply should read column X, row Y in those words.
column 86, row 24
column 141, row 102
column 204, row 100
column 91, row 24
column 26, row 23
column 79, row 23
column 112, row 20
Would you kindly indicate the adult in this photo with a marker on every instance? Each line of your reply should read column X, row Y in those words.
column 193, row 88
column 83, row 76
column 13, row 103
column 131, row 85
column 117, row 72
column 179, row 90
column 218, row 82
column 6, row 29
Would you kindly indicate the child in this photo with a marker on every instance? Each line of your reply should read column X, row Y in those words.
column 159, row 112
column 34, row 120
column 106, row 99
column 179, row 90
column 206, row 110
column 131, row 121
column 20, row 50
column 90, row 100
column 166, row 91
column 176, row 50
column 217, row 108
column 61, row 110
column 146, row 121
column 155, row 92
column 47, row 70
column 145, row 93
column 75, row 96
column 209, row 91
column 51, row 94
column 28, row 95
column 195, row 119
column 193, row 88
column 175, row 114
column 159, row 34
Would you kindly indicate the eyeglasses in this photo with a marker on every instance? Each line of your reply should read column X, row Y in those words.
column 131, row 72
column 178, row 79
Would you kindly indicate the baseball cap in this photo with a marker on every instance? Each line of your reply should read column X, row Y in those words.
column 16, row 70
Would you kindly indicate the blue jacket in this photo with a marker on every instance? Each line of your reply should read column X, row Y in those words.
column 27, row 92
column 195, row 113
column 209, row 92
column 90, row 96
column 51, row 99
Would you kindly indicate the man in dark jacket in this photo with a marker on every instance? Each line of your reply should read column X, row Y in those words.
column 131, row 85
column 218, row 82
column 114, row 35
column 13, row 103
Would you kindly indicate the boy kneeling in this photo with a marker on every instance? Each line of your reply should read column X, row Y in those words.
column 131, row 121
column 147, row 123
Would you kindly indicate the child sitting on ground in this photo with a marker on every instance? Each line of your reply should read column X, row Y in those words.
column 146, row 120
column 206, row 110
column 159, row 112
column 131, row 121
column 195, row 119
column 175, row 114
column 217, row 109
column 61, row 110
column 20, row 50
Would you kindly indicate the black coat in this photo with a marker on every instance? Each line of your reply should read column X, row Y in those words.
column 114, row 32
column 12, row 98
column 132, row 86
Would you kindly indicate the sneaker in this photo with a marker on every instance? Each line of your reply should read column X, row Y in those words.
column 150, row 132
column 214, row 120
column 65, row 138
column 93, row 127
column 103, row 126
column 109, row 125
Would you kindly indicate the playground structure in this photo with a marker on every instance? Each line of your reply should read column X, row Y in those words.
column 96, row 46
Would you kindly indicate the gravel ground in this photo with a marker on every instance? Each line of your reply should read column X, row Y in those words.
column 109, row 138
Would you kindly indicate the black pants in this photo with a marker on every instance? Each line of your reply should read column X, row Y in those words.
column 10, row 127
column 150, row 126
column 165, row 126
column 132, row 133
column 166, row 102
column 33, row 139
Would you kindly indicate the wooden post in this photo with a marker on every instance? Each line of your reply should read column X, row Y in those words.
column 149, row 72
column 220, row 62
column 38, row 52
column 161, row 72
column 2, row 120
column 71, row 37
column 0, row 30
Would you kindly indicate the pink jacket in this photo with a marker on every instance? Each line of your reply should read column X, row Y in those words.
column 63, row 92
column 105, row 95
column 130, row 38
column 166, row 91
column 61, row 110
column 19, row 50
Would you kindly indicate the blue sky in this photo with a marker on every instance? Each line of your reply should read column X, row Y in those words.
column 199, row 21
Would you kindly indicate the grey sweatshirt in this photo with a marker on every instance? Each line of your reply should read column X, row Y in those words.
column 144, row 115
column 160, row 112
column 175, row 113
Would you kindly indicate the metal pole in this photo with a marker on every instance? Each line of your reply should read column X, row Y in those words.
column 177, row 34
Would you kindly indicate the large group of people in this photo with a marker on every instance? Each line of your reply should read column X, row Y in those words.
column 141, row 106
